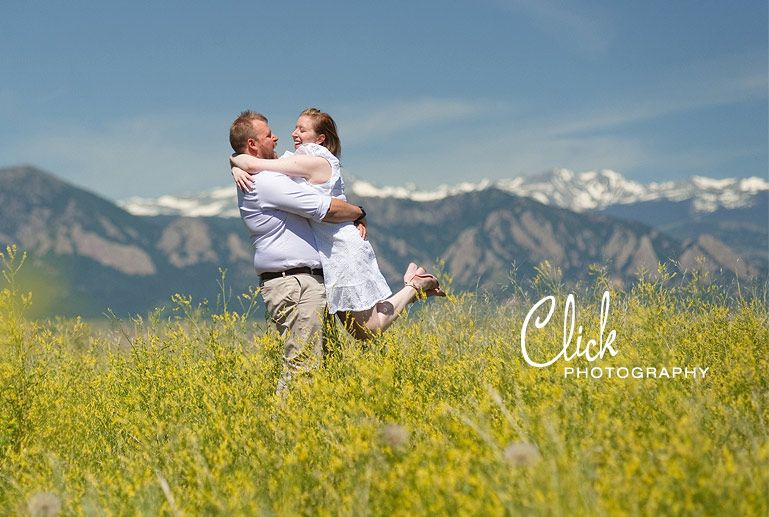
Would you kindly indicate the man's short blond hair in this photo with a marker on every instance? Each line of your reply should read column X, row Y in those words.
column 243, row 129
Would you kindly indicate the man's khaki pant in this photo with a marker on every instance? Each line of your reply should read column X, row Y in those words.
column 297, row 305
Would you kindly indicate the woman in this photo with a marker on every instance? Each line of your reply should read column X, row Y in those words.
column 356, row 290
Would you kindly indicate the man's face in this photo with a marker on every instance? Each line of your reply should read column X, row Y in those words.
column 265, row 141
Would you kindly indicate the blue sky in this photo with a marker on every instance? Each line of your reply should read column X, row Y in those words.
column 136, row 98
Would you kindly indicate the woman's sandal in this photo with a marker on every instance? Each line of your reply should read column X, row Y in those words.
column 426, row 293
column 434, row 292
column 413, row 273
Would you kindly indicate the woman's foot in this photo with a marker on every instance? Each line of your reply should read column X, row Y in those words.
column 410, row 272
column 424, row 284
column 434, row 292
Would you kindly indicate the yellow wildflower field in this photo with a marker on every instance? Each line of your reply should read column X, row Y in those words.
column 176, row 413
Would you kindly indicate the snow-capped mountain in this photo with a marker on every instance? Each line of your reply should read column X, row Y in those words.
column 217, row 202
column 593, row 190
column 129, row 263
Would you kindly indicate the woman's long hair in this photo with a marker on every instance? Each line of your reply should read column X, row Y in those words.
column 325, row 125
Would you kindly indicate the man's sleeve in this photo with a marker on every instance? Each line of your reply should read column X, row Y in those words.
column 279, row 192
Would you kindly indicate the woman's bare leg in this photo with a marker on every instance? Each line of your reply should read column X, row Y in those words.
column 372, row 322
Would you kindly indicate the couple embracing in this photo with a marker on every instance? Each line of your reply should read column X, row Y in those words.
column 311, row 251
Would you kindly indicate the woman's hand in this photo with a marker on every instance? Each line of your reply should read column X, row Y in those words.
column 242, row 178
column 361, row 226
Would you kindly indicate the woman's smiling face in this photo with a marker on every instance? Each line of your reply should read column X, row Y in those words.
column 305, row 132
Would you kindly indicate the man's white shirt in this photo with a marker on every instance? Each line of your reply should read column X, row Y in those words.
column 276, row 212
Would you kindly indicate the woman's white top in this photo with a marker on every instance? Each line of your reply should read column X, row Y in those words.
column 350, row 270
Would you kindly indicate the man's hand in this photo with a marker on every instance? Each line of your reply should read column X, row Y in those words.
column 243, row 179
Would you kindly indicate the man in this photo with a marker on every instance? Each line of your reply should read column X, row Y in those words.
column 276, row 213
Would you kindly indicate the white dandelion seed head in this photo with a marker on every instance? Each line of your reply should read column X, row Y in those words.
column 520, row 453
column 43, row 504
column 394, row 435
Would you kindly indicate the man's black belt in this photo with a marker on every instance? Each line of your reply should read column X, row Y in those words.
column 288, row 272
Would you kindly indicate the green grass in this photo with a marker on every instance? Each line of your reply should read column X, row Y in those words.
column 176, row 413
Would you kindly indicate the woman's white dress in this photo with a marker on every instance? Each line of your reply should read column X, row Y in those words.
column 350, row 270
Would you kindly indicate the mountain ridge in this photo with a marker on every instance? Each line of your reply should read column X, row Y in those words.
column 592, row 190
column 87, row 254
column 733, row 211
